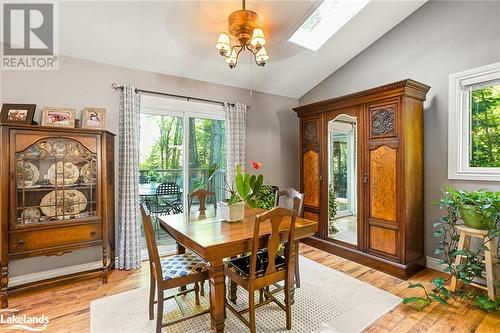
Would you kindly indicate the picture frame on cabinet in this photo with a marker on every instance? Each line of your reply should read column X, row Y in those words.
column 94, row 118
column 17, row 113
column 58, row 117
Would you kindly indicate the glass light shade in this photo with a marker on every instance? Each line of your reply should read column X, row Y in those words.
column 223, row 43
column 261, row 56
column 258, row 37
column 232, row 59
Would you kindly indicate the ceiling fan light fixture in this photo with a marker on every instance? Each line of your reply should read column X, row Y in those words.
column 258, row 38
column 243, row 27
column 223, row 43
column 261, row 56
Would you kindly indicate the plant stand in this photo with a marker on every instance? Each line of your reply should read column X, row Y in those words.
column 466, row 234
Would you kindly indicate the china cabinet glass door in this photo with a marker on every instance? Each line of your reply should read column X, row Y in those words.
column 56, row 180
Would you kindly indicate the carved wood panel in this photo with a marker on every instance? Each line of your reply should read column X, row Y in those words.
column 310, row 132
column 311, row 178
column 383, row 240
column 383, row 183
column 383, row 121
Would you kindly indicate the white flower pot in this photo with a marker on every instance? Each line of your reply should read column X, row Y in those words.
column 232, row 213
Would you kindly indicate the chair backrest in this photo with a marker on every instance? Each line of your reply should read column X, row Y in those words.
column 202, row 195
column 286, row 199
column 275, row 216
column 168, row 189
column 154, row 258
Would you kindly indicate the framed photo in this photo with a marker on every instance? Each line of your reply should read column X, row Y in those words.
column 58, row 117
column 94, row 118
column 17, row 113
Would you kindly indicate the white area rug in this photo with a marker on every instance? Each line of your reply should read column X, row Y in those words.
column 328, row 301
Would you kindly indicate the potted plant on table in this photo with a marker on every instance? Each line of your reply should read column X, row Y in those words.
column 244, row 191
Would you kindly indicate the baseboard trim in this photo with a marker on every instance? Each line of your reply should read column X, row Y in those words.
column 53, row 273
column 434, row 264
column 68, row 270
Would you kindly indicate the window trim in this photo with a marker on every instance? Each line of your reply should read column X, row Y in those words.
column 458, row 123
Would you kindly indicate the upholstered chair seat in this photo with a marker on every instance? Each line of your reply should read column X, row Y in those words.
column 180, row 265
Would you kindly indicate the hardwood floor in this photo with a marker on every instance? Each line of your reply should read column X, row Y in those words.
column 67, row 306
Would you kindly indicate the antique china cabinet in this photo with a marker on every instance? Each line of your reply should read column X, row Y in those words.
column 362, row 175
column 57, row 196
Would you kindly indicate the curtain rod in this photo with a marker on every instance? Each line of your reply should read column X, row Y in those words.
column 188, row 98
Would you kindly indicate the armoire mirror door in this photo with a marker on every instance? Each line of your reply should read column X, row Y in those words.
column 342, row 166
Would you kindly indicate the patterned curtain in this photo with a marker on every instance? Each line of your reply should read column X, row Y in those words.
column 236, row 130
column 129, row 218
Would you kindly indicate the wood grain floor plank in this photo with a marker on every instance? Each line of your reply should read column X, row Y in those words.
column 68, row 306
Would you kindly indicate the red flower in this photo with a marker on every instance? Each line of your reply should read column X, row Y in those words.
column 256, row 165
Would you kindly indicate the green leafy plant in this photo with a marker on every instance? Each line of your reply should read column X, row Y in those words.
column 332, row 209
column 153, row 176
column 247, row 186
column 266, row 197
column 471, row 265
column 439, row 294
column 484, row 303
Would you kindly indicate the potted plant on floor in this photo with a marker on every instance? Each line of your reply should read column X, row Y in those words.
column 484, row 208
column 244, row 191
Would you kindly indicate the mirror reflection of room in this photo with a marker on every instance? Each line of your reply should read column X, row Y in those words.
column 342, row 166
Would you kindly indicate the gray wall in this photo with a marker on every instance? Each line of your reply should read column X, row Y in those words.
column 271, row 130
column 438, row 39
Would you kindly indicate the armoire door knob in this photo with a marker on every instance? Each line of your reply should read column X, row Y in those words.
column 365, row 178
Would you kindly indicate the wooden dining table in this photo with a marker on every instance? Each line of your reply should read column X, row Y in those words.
column 214, row 240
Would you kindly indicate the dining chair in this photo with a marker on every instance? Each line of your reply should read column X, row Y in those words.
column 259, row 270
column 171, row 272
column 201, row 195
column 286, row 199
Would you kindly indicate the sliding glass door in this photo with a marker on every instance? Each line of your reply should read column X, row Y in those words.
column 161, row 180
column 178, row 144
column 206, row 148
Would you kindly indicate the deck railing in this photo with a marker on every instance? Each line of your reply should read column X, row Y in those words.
column 217, row 184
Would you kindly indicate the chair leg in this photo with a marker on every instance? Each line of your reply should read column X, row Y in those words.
column 297, row 271
column 197, row 293
column 202, row 291
column 152, row 288
column 251, row 310
column 288, row 305
column 159, row 319
column 234, row 290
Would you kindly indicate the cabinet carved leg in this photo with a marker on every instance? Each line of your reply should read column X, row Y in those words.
column 4, row 281
column 104, row 265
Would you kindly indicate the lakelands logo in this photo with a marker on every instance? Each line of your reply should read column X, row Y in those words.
column 29, row 32
column 9, row 320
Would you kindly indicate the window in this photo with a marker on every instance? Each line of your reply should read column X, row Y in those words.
column 474, row 124
column 325, row 21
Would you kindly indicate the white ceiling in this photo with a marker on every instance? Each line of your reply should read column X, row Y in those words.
column 178, row 38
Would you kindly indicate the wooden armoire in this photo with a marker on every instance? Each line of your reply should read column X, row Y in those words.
column 362, row 174
column 57, row 196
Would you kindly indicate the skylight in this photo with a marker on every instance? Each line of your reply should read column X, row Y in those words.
column 325, row 21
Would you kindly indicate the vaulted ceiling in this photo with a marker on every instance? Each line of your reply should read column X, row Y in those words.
column 178, row 38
